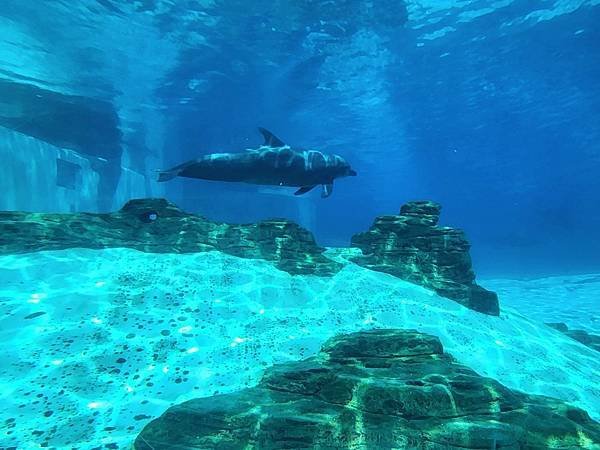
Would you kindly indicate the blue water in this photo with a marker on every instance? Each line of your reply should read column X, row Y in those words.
column 490, row 108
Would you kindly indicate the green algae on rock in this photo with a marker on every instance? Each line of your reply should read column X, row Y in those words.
column 156, row 225
column 373, row 389
column 413, row 247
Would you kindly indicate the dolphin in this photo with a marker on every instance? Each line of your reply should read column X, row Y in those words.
column 274, row 164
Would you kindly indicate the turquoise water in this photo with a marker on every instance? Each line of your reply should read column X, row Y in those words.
column 98, row 342
column 491, row 108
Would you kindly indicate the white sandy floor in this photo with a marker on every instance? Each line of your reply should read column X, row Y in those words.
column 126, row 334
column 574, row 300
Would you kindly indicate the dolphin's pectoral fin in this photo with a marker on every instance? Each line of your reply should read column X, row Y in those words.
column 270, row 139
column 304, row 189
column 327, row 190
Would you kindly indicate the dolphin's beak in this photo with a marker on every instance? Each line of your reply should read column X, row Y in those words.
column 352, row 173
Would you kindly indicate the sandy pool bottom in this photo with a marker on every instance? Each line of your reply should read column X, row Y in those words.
column 574, row 300
column 95, row 343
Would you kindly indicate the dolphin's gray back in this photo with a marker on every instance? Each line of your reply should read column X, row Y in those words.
column 219, row 166
column 266, row 165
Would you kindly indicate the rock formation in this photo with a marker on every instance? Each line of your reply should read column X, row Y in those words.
column 410, row 246
column 156, row 225
column 587, row 339
column 413, row 247
column 377, row 389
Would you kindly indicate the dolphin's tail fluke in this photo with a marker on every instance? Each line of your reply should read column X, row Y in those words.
column 166, row 175
column 169, row 174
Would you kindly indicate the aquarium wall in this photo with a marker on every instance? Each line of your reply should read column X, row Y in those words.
column 78, row 128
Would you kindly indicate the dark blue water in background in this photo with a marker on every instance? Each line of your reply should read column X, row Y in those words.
column 490, row 108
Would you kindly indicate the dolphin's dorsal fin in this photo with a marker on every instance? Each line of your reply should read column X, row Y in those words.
column 270, row 139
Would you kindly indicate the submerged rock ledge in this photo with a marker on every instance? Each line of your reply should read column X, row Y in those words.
column 410, row 246
column 589, row 340
column 413, row 247
column 158, row 226
column 373, row 389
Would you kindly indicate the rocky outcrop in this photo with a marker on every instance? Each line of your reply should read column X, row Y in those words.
column 413, row 247
column 582, row 336
column 378, row 389
column 156, row 225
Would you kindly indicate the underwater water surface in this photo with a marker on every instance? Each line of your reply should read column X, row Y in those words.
column 342, row 224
